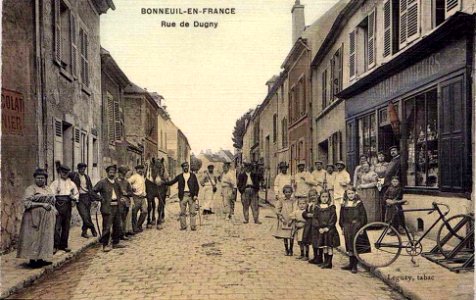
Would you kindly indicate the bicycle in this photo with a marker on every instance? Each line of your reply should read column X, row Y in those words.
column 386, row 244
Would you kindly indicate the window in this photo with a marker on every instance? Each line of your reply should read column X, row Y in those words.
column 284, row 134
column 65, row 39
column 421, row 118
column 451, row 7
column 114, row 123
column 336, row 73
column 409, row 21
column 352, row 54
column 302, row 96
column 367, row 135
column 335, row 141
column 256, row 133
column 324, row 89
column 371, row 39
column 275, row 128
column 438, row 9
column 95, row 152
column 84, row 147
column 84, row 44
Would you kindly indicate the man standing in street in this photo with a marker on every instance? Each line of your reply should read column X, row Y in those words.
column 188, row 193
column 228, row 190
column 137, row 181
column 209, row 183
column 85, row 188
column 110, row 193
column 248, row 185
column 281, row 180
column 125, row 202
column 66, row 193
column 303, row 181
column 319, row 175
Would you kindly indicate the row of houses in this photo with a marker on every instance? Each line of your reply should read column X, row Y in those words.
column 370, row 74
column 64, row 98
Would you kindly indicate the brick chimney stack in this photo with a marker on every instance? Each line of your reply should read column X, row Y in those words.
column 298, row 20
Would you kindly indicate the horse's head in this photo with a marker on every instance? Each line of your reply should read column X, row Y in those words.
column 156, row 167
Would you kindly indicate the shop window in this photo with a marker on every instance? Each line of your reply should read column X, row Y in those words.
column 421, row 119
column 386, row 135
column 367, row 135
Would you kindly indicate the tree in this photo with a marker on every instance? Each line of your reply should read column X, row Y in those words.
column 239, row 130
column 195, row 164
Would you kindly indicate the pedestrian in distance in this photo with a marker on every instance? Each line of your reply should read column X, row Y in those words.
column 86, row 198
column 110, row 193
column 137, row 181
column 188, row 189
column 325, row 236
column 209, row 183
column 284, row 209
column 228, row 190
column 353, row 217
column 36, row 240
column 248, row 185
column 298, row 222
column 313, row 197
column 67, row 195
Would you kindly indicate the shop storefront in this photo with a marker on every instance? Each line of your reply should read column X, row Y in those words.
column 420, row 101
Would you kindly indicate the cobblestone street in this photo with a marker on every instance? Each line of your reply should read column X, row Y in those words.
column 221, row 260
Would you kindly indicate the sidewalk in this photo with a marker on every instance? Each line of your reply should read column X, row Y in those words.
column 15, row 275
column 425, row 279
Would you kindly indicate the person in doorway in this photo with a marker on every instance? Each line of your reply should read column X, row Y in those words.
column 188, row 189
column 125, row 202
column 353, row 217
column 36, row 240
column 209, row 184
column 248, row 185
column 303, row 181
column 284, row 209
column 228, row 190
column 85, row 188
column 66, row 194
column 281, row 180
column 110, row 193
column 358, row 169
column 137, row 181
column 319, row 175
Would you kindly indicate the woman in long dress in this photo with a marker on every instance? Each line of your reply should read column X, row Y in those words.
column 368, row 192
column 38, row 223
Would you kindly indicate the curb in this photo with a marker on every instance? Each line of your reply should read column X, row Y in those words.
column 47, row 270
column 407, row 293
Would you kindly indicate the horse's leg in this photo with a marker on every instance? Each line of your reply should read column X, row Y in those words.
column 153, row 209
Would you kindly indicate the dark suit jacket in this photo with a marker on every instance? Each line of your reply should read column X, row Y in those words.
column 243, row 178
column 192, row 182
column 75, row 178
column 393, row 169
column 104, row 188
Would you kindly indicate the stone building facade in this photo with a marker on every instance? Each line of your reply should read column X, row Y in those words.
column 52, row 69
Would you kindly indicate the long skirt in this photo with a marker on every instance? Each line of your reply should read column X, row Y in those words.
column 283, row 231
column 37, row 234
column 371, row 201
column 208, row 202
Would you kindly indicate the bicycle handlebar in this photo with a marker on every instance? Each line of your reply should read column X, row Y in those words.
column 436, row 204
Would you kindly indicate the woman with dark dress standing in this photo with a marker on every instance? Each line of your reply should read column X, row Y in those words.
column 312, row 196
column 38, row 223
column 325, row 236
column 352, row 217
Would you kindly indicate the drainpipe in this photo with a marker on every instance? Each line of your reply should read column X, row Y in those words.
column 40, row 110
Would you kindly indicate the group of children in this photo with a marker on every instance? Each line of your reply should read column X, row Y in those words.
column 312, row 222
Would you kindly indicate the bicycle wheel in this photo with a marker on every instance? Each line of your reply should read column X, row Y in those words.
column 385, row 245
column 453, row 232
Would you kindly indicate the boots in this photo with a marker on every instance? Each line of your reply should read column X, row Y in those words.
column 328, row 262
column 354, row 265
column 306, row 253
column 317, row 260
column 349, row 266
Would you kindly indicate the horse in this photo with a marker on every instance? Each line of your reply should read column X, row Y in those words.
column 155, row 174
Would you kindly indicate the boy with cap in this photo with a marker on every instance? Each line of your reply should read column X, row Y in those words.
column 110, row 193
column 137, row 181
column 66, row 193
column 85, row 188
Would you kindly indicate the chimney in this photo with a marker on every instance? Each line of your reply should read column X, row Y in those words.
column 298, row 20
column 271, row 82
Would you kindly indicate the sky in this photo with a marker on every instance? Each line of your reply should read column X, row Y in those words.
column 208, row 77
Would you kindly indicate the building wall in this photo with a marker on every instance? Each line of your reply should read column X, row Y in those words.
column 282, row 151
column 133, row 119
column 19, row 145
column 268, row 144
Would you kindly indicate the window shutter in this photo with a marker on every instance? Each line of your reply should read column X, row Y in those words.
column 387, row 28
column 452, row 147
column 341, row 68
column 352, row 57
column 413, row 20
column 351, row 134
column 74, row 46
column 77, row 146
column 371, row 39
column 86, row 59
column 57, row 31
column 110, row 118
column 403, row 23
column 451, row 7
column 117, row 119
column 58, row 147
